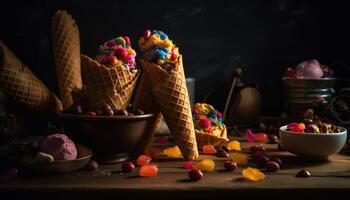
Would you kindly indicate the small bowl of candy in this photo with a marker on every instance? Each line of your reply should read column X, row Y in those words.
column 113, row 136
column 315, row 140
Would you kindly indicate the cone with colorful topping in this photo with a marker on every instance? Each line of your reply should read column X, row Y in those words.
column 23, row 87
column 66, row 45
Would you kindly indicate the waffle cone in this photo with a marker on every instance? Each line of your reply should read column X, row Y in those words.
column 66, row 45
column 23, row 87
column 218, row 139
column 170, row 92
column 107, row 85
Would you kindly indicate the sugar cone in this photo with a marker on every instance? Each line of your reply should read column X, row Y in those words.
column 170, row 92
column 66, row 45
column 23, row 87
column 144, row 100
column 107, row 85
column 212, row 139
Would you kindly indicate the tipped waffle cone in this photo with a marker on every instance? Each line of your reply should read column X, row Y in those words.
column 170, row 92
column 23, row 87
column 219, row 139
column 103, row 84
column 66, row 45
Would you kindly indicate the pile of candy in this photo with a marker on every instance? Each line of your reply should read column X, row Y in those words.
column 104, row 110
column 309, row 69
column 207, row 119
column 259, row 137
column 159, row 49
column 312, row 125
column 117, row 52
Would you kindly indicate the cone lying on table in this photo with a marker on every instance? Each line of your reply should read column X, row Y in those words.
column 170, row 92
column 23, row 87
column 107, row 85
column 66, row 45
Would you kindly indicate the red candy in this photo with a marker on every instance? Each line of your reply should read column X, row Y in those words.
column 127, row 40
column 195, row 175
column 128, row 167
column 261, row 137
column 162, row 140
column 209, row 149
column 205, row 123
column 121, row 53
column 173, row 56
column 148, row 170
column 188, row 165
column 295, row 127
column 219, row 115
column 143, row 160
column 147, row 34
column 90, row 113
column 195, row 111
column 110, row 59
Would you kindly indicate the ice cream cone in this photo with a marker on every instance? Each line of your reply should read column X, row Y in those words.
column 170, row 92
column 66, row 45
column 23, row 87
column 219, row 139
column 107, row 85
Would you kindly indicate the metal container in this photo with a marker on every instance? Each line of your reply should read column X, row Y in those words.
column 301, row 93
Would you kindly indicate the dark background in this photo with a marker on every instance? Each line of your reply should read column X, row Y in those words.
column 265, row 37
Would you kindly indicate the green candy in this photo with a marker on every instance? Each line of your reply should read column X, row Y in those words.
column 120, row 40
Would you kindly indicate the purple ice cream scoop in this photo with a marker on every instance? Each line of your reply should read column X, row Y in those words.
column 309, row 69
column 59, row 146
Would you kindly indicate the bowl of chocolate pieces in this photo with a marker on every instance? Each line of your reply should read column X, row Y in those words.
column 113, row 135
column 312, row 139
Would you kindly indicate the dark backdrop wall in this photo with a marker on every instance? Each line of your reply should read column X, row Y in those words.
column 214, row 36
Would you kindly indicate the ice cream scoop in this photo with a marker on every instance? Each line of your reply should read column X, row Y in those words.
column 59, row 146
column 309, row 69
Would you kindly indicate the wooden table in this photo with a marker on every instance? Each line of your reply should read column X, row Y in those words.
column 328, row 178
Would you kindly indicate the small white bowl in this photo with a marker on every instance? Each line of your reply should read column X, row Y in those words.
column 315, row 146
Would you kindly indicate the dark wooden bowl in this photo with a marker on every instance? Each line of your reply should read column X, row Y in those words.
column 111, row 138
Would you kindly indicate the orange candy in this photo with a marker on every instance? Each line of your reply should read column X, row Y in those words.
column 143, row 160
column 209, row 149
column 261, row 137
column 301, row 126
column 148, row 171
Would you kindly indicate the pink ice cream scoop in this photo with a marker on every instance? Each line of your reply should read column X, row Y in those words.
column 59, row 146
column 309, row 69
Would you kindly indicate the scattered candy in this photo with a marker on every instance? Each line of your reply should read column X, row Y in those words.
column 162, row 140
column 143, row 160
column 272, row 166
column 277, row 160
column 222, row 154
column 230, row 165
column 188, row 165
column 195, row 175
column 261, row 137
column 239, row 158
column 128, row 167
column 303, row 174
column 254, row 149
column 148, row 171
column 234, row 145
column 173, row 152
column 249, row 135
column 209, row 149
column 262, row 160
column 92, row 165
column 205, row 165
column 253, row 174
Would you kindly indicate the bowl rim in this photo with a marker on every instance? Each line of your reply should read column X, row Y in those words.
column 87, row 117
column 310, row 79
column 283, row 129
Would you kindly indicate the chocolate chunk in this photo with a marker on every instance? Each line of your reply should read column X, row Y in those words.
column 303, row 174
column 107, row 110
column 312, row 128
column 221, row 153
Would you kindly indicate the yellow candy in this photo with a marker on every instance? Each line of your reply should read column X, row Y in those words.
column 168, row 57
column 131, row 51
column 160, row 61
column 253, row 174
column 205, row 165
column 239, row 158
column 173, row 152
column 234, row 145
column 168, row 43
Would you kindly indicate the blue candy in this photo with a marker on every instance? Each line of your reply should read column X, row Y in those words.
column 213, row 114
column 160, row 53
column 220, row 120
column 161, row 34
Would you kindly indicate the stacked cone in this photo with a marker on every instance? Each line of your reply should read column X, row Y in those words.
column 66, row 45
column 107, row 85
column 170, row 92
column 23, row 87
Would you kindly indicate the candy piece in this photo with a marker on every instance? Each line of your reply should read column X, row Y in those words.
column 120, row 40
column 143, row 160
column 262, row 160
column 257, row 155
column 222, row 154
column 148, row 171
column 239, row 158
column 253, row 174
column 195, row 112
column 195, row 175
column 301, row 126
column 122, row 112
column 128, row 167
column 107, row 110
column 261, row 137
column 303, row 174
column 295, row 127
column 206, row 165
column 277, row 160
column 230, row 165
column 188, row 165
column 209, row 149
column 90, row 113
column 121, row 53
column 42, row 157
column 173, row 152
column 255, row 149
column 92, row 165
column 219, row 115
column 205, row 123
column 147, row 34
column 110, row 43
column 127, row 40
column 162, row 140
column 225, row 148
column 234, row 145
column 249, row 135
column 272, row 166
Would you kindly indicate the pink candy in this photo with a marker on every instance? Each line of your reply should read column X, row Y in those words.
column 188, row 165
column 309, row 69
column 249, row 135
column 127, row 40
column 205, row 123
column 219, row 115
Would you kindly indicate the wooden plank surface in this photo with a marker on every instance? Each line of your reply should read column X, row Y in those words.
column 332, row 175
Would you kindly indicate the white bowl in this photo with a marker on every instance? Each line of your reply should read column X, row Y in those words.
column 312, row 145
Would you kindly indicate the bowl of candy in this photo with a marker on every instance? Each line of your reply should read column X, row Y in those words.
column 113, row 136
column 313, row 141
